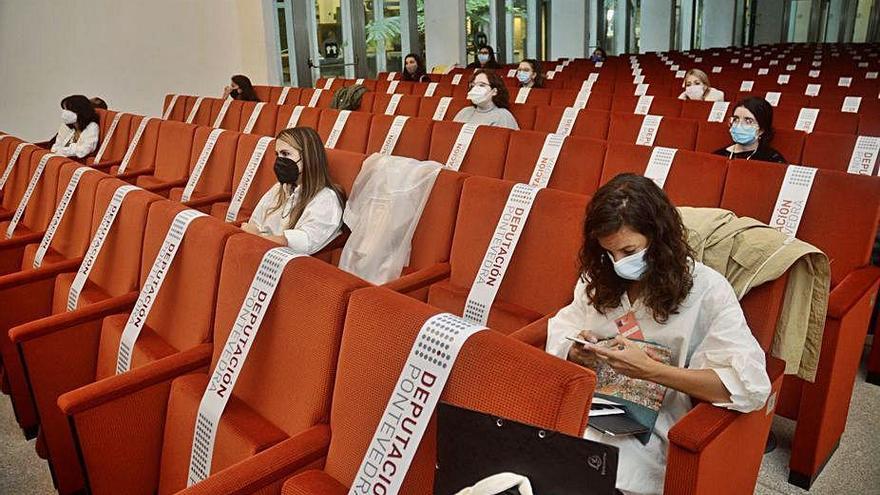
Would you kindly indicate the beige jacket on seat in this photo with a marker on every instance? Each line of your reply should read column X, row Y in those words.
column 749, row 253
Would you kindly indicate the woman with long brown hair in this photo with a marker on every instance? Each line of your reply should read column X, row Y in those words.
column 638, row 279
column 304, row 209
column 240, row 88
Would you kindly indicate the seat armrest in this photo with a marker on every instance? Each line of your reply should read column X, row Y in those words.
column 133, row 174
column 851, row 289
column 420, row 278
column 54, row 323
column 167, row 186
column 209, row 200
column 534, row 334
column 269, row 466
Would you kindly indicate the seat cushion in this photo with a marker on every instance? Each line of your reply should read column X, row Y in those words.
column 148, row 348
column 312, row 483
column 503, row 317
column 90, row 293
column 242, row 433
column 149, row 181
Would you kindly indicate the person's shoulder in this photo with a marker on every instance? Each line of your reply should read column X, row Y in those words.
column 723, row 151
column 682, row 96
column 715, row 94
column 710, row 285
column 93, row 126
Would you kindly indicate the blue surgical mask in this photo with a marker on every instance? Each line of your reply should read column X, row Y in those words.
column 632, row 267
column 483, row 57
column 596, row 58
column 523, row 76
column 743, row 134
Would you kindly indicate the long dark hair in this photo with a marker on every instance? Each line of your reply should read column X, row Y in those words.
column 536, row 69
column 84, row 110
column 763, row 112
column 245, row 88
column 315, row 172
column 502, row 98
column 492, row 62
column 420, row 72
column 636, row 202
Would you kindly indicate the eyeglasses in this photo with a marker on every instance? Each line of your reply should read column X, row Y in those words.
column 747, row 121
column 479, row 84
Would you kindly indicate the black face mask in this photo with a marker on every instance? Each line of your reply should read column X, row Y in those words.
column 235, row 93
column 286, row 170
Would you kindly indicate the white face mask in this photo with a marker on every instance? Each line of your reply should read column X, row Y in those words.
column 479, row 95
column 694, row 91
column 632, row 267
column 68, row 117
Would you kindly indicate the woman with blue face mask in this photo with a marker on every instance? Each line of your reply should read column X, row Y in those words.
column 751, row 129
column 529, row 75
column 485, row 59
column 638, row 278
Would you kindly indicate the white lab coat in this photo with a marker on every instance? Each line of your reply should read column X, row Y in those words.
column 708, row 332
column 320, row 223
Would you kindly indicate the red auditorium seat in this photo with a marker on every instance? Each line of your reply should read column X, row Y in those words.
column 407, row 105
column 828, row 120
column 577, row 168
column 217, row 173
column 354, row 135
column 414, row 142
column 672, row 133
column 589, row 123
column 524, row 115
column 667, row 106
column 428, row 107
column 716, row 135
column 264, row 125
column 262, row 182
column 485, row 155
column 115, row 149
column 307, row 118
column 567, row 98
column 171, row 167
column 830, row 151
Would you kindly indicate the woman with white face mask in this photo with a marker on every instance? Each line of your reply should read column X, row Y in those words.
column 79, row 132
column 751, row 128
column 528, row 74
column 490, row 102
column 636, row 268
column 696, row 87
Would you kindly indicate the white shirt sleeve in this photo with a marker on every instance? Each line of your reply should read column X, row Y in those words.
column 258, row 217
column 319, row 224
column 87, row 143
column 61, row 137
column 730, row 349
column 567, row 322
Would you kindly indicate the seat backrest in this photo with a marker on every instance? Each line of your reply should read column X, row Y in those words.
column 192, row 279
column 344, row 168
column 589, row 123
column 485, row 155
column 432, row 239
column 537, row 96
column 567, row 97
column 829, row 150
column 695, row 178
column 524, row 115
column 324, row 100
column 700, row 110
column 440, row 90
column 117, row 268
column 408, row 104
column 840, row 218
column 337, row 83
column 293, row 95
column 287, row 383
column 355, row 134
column 144, row 155
column 263, row 92
column 178, row 113
column 233, row 114
column 493, row 374
column 173, row 150
column 403, row 87
column 308, row 118
column 672, row 133
column 544, row 268
column 17, row 181
column 827, row 121
column 414, row 141
column 217, row 175
column 119, row 140
column 577, row 168
column 263, row 180
column 42, row 202
column 428, row 107
column 203, row 114
column 796, row 100
column 666, row 106
column 265, row 123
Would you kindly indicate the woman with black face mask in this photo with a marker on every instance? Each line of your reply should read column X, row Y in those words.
column 240, row 89
column 79, row 132
column 304, row 209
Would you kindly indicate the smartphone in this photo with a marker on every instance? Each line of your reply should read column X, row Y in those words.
column 581, row 341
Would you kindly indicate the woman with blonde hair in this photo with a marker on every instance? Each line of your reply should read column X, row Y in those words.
column 696, row 87
column 304, row 209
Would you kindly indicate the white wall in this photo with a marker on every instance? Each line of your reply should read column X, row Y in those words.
column 656, row 20
column 718, row 22
column 568, row 19
column 131, row 53
column 444, row 33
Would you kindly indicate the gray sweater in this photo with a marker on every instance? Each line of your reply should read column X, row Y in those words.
column 493, row 116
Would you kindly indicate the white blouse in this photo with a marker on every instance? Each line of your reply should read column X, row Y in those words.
column 708, row 332
column 320, row 222
column 85, row 146
column 712, row 95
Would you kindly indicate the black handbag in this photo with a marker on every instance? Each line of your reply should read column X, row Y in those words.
column 472, row 446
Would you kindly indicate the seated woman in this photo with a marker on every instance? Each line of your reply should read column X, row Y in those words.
column 304, row 209
column 696, row 87
column 751, row 127
column 598, row 55
column 79, row 132
column 240, row 89
column 98, row 102
column 485, row 59
column 636, row 266
column 529, row 74
column 414, row 69
column 490, row 100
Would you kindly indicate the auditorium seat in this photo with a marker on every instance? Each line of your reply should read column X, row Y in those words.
column 232, row 118
column 283, row 392
column 323, row 101
column 414, row 141
column 567, row 98
column 701, row 110
column 666, row 106
column 830, row 151
column 293, row 96
column 439, row 91
column 203, row 113
column 548, row 246
column 524, row 115
column 402, row 88
column 62, row 354
column 177, row 113
column 308, row 118
column 216, row 175
column 262, row 182
column 370, row 84
column 716, row 135
column 144, row 155
column 535, row 96
column 262, row 92
column 485, row 155
column 380, row 322
column 118, row 144
column 428, row 107
column 589, row 123
column 355, row 133
column 577, row 168
column 171, row 167
column 672, row 133
column 44, row 292
column 408, row 105
column 336, row 84
column 17, row 181
column 793, row 100
column 827, row 121
column 264, row 125
column 695, row 178
column 846, row 234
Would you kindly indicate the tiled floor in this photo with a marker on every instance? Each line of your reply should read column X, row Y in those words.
column 854, row 469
